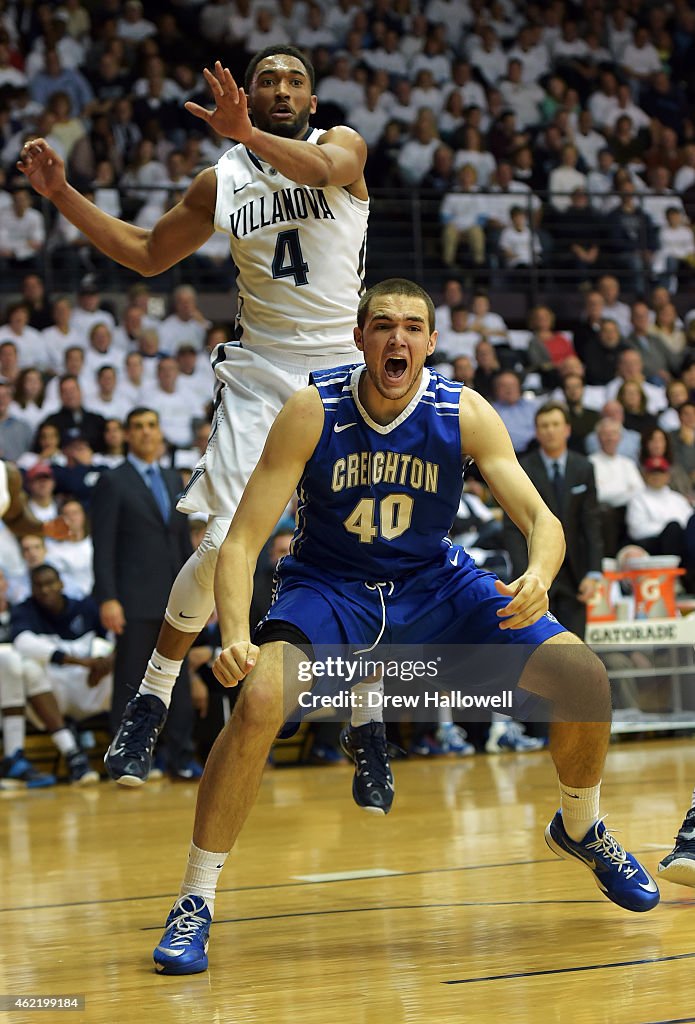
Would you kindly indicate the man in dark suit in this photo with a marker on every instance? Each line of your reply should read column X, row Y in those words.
column 565, row 481
column 140, row 543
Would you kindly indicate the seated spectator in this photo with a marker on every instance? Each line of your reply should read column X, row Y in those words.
column 73, row 419
column 427, row 95
column 107, row 400
column 473, row 152
column 659, row 362
column 633, row 399
column 73, row 557
column 100, row 352
column 630, row 440
column 175, row 414
column 617, row 479
column 459, row 339
column 668, row 327
column 524, row 98
column 683, row 440
column 61, row 335
column 630, row 368
column 132, row 27
column 39, row 482
column 15, row 435
column 582, row 420
column 660, row 197
column 565, row 178
column 589, row 142
column 186, row 323
column 22, row 236
column 46, row 448
column 676, row 393
column 547, row 347
column 487, row 367
column 73, row 366
column 577, row 235
column 613, row 308
column 462, row 214
column 462, row 369
column 134, row 380
column 34, row 295
column 657, row 444
column 196, row 376
column 440, row 177
column 88, row 310
column 28, row 398
column 416, row 156
column 29, row 343
column 9, row 362
column 370, row 117
column 80, row 473
column 519, row 246
column 660, row 519
column 516, row 412
column 114, row 445
column 62, row 637
column 601, row 352
column 676, row 252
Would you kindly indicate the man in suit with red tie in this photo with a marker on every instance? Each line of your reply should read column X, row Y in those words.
column 566, row 483
column 140, row 543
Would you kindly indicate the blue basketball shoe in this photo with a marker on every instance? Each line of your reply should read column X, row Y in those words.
column 618, row 874
column 183, row 948
column 372, row 784
column 129, row 757
column 17, row 772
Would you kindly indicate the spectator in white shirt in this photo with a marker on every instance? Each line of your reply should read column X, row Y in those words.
column 40, row 484
column 623, row 106
column 30, row 345
column 132, row 27
column 433, row 58
column 617, row 480
column 620, row 32
column 458, row 340
column 452, row 297
column 490, row 326
column 676, row 249
column 533, row 54
column 196, row 377
column 519, row 246
column 186, row 323
column 73, row 365
column 426, row 93
column 588, row 141
column 74, row 557
column 131, row 386
column 61, row 335
column 608, row 287
column 88, row 310
column 685, row 175
column 340, row 87
column 415, row 158
column 313, row 32
column 462, row 216
column 659, row 518
column 28, row 404
column 565, row 179
column 640, row 58
column 388, row 57
column 489, row 57
column 630, row 367
column 470, row 91
column 266, row 32
column 474, row 152
column 107, row 398
column 175, row 415
column 370, row 118
column 22, row 233
column 523, row 98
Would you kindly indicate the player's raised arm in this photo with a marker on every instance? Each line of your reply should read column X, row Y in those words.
column 280, row 88
column 485, row 438
column 177, row 234
column 290, row 445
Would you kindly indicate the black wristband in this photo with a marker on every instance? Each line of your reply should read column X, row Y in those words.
column 58, row 658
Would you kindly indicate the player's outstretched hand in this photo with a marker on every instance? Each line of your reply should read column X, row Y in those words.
column 235, row 662
column 230, row 118
column 42, row 166
column 529, row 600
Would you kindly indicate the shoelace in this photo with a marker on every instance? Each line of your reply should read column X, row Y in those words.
column 376, row 763
column 144, row 726
column 609, row 847
column 186, row 926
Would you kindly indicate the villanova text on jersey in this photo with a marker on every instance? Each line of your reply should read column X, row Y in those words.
column 286, row 204
column 377, row 502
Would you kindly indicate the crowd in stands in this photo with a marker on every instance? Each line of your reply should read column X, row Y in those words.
column 556, row 133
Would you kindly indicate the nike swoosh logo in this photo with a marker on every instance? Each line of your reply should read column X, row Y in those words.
column 455, row 559
column 171, row 952
column 158, row 667
column 687, row 835
column 650, row 887
column 344, row 426
column 242, row 188
column 182, row 616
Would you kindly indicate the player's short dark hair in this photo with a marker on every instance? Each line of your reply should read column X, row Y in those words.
column 44, row 567
column 273, row 51
column 552, row 407
column 139, row 410
column 394, row 286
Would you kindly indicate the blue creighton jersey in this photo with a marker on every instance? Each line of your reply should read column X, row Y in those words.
column 376, row 502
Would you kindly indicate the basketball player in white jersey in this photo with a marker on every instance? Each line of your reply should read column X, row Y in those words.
column 294, row 203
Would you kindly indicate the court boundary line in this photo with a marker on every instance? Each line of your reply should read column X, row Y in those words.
column 577, row 970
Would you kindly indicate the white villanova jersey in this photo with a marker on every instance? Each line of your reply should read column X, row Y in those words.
column 299, row 252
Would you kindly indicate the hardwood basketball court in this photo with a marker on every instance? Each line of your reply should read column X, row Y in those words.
column 461, row 914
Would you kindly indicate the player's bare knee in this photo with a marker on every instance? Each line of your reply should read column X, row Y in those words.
column 259, row 709
column 567, row 674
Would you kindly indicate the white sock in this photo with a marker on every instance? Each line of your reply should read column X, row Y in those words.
column 160, row 675
column 202, row 874
column 364, row 714
column 64, row 741
column 580, row 809
column 13, row 732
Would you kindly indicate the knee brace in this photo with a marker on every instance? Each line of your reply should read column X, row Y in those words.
column 11, row 682
column 191, row 599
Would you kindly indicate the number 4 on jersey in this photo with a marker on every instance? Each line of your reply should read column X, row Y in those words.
column 395, row 513
column 288, row 260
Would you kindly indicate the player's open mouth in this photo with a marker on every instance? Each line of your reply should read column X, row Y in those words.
column 282, row 112
column 394, row 367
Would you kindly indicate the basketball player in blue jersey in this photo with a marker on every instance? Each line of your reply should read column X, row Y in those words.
column 377, row 453
column 294, row 203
